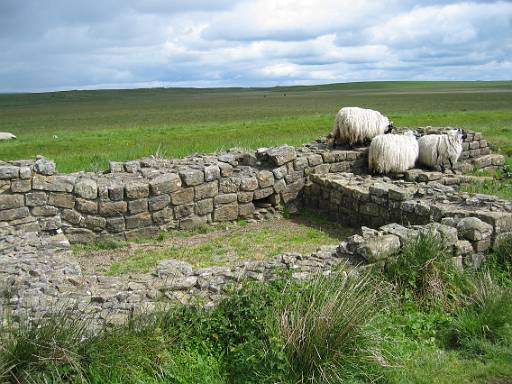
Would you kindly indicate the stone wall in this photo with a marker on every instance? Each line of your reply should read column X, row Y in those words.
column 375, row 201
column 142, row 197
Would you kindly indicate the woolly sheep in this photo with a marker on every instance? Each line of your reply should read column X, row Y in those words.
column 393, row 153
column 435, row 150
column 6, row 136
column 356, row 125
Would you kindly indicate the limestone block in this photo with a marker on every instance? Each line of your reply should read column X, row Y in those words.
column 226, row 169
column 262, row 193
column 139, row 220
column 226, row 212
column 116, row 192
column 115, row 224
column 474, row 229
column 204, row 207
column 94, row 223
column 314, row 160
column 211, row 172
column 378, row 248
column 136, row 190
column 86, row 206
column 281, row 155
column 25, row 172
column 229, row 185
column 13, row 214
column 156, row 203
column 45, row 210
column 113, row 208
column 9, row 172
column 463, row 248
column 300, row 163
column 184, row 210
column 245, row 197
column 61, row 200
column 280, row 172
column 57, row 183
column 44, row 166
column 173, row 268
column 163, row 184
column 192, row 222
column 191, row 177
column 115, row 167
column 246, row 210
column 279, row 186
column 137, row 206
column 206, row 190
column 11, row 201
column 72, row 216
column 132, row 166
column 225, row 199
column 86, row 188
column 21, row 186
column 184, row 196
column 79, row 235
column 163, row 216
column 265, row 178
column 249, row 183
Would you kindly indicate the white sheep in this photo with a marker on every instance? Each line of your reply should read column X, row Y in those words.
column 6, row 136
column 435, row 150
column 393, row 153
column 356, row 125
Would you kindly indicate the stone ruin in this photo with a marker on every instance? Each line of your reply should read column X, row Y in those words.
column 42, row 212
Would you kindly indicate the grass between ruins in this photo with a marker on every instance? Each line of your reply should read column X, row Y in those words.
column 418, row 320
column 215, row 244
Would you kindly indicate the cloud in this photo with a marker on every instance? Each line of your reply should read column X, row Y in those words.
column 58, row 44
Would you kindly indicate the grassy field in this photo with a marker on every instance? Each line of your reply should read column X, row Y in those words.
column 85, row 129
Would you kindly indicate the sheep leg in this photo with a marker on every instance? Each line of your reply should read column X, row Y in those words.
column 451, row 166
column 442, row 167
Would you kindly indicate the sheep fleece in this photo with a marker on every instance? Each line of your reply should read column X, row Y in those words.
column 355, row 125
column 392, row 153
column 435, row 150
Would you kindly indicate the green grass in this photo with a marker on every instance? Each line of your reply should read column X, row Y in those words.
column 262, row 242
column 500, row 188
column 96, row 126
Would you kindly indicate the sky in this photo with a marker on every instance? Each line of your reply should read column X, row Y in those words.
column 76, row 44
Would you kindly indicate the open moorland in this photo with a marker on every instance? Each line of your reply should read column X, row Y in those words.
column 83, row 130
column 416, row 317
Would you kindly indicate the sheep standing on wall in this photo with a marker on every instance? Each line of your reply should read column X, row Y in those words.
column 393, row 153
column 356, row 125
column 435, row 150
column 6, row 136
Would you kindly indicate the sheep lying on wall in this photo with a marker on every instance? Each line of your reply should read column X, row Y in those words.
column 6, row 136
column 393, row 153
column 435, row 150
column 356, row 125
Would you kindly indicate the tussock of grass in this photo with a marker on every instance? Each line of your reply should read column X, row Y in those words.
column 326, row 329
column 424, row 272
column 486, row 314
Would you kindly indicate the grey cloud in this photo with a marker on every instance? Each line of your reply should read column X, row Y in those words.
column 58, row 44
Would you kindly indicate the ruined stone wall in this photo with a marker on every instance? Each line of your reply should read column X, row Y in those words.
column 376, row 201
column 142, row 197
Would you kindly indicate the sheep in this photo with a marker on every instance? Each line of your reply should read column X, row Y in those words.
column 435, row 150
column 356, row 125
column 393, row 153
column 6, row 136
